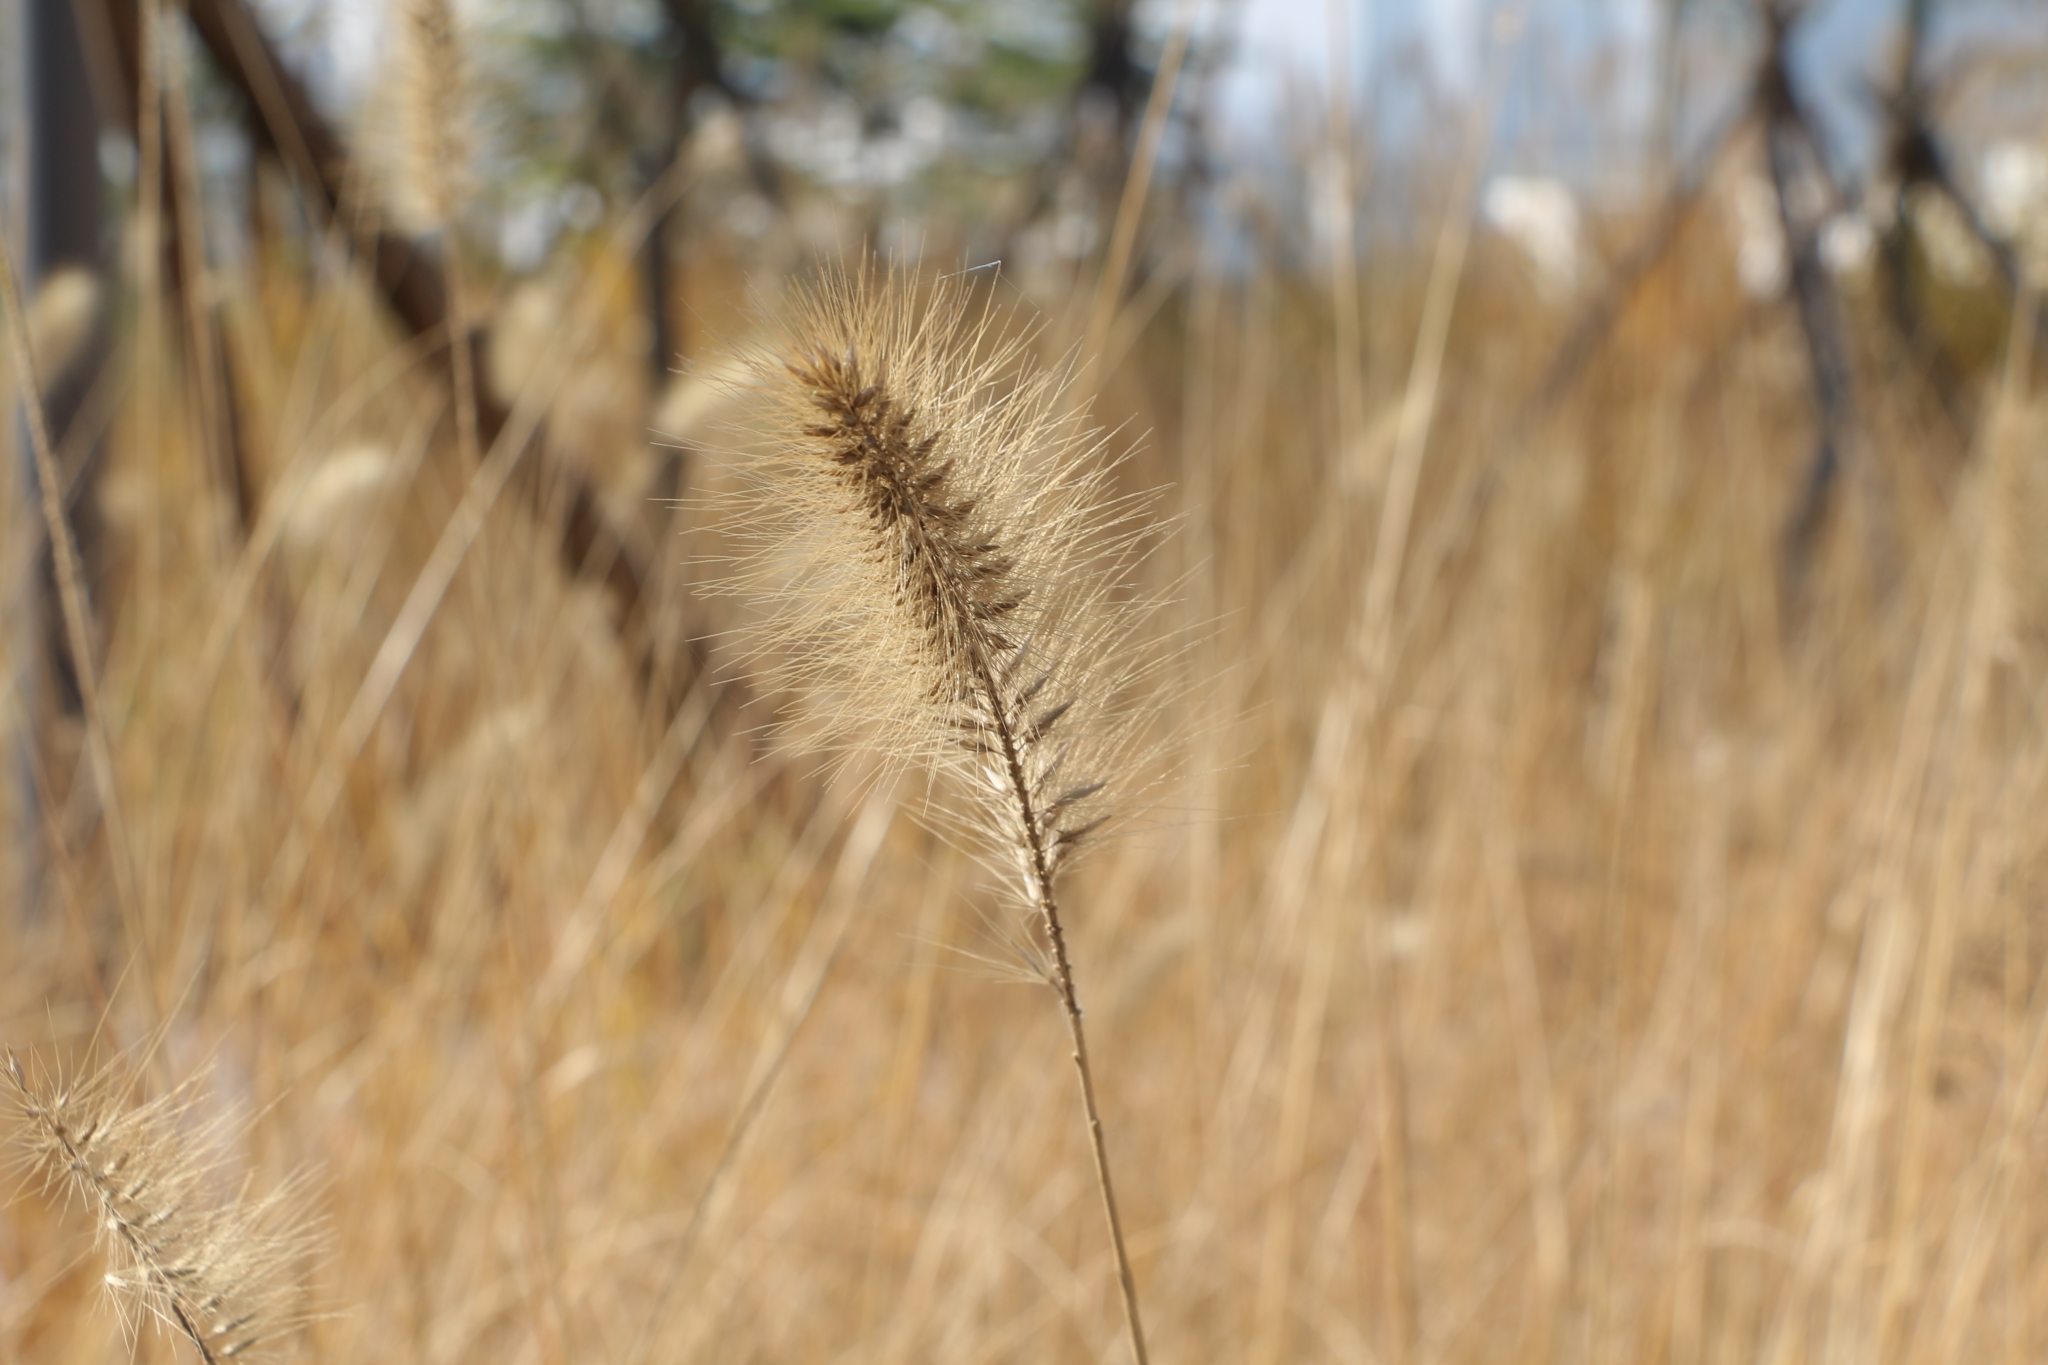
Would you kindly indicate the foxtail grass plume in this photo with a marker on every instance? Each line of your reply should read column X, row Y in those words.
column 61, row 320
column 432, row 107
column 946, row 573
column 950, row 577
column 337, row 493
column 182, row 1248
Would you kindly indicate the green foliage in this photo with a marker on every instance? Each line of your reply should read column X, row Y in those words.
column 587, row 93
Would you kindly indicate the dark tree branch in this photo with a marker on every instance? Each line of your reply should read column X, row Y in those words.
column 1917, row 159
column 1820, row 319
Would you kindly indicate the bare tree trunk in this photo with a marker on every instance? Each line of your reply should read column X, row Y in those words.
column 1667, row 123
column 1114, row 87
column 698, row 66
column 64, row 231
column 60, row 145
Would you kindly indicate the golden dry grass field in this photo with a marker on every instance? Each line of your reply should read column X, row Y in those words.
column 1565, row 931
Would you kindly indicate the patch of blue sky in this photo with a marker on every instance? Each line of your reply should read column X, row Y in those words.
column 1578, row 87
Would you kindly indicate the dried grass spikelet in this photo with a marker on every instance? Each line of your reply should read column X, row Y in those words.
column 337, row 494
column 948, row 574
column 61, row 319
column 433, row 113
column 213, row 1267
column 526, row 335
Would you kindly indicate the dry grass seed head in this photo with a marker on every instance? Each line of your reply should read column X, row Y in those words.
column 947, row 572
column 434, row 118
column 209, row 1263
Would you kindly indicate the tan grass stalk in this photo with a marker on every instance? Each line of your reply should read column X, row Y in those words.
column 806, row 982
column 211, row 398
column 76, row 613
column 951, row 579
column 213, row 1270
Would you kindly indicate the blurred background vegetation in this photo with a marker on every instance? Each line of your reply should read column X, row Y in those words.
column 1599, row 916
